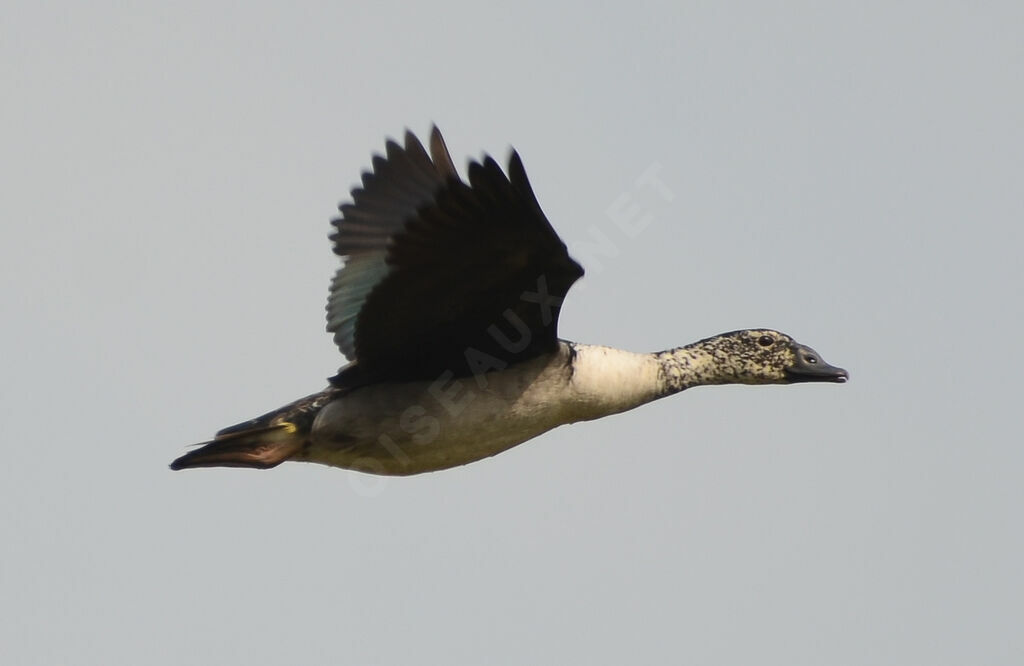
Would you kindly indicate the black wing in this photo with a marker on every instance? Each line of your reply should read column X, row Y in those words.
column 443, row 275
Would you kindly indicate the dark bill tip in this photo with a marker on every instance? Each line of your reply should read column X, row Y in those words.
column 809, row 367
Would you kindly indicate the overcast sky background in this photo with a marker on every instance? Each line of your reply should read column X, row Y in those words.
column 849, row 173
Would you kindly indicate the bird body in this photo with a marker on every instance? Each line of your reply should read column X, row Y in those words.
column 447, row 307
column 413, row 427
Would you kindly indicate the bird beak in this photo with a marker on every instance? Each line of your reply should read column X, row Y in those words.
column 810, row 367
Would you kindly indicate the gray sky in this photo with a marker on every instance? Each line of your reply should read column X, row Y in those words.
column 849, row 174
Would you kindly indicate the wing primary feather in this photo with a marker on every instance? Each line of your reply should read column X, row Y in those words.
column 441, row 157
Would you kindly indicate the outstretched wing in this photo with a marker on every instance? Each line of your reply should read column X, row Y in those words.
column 399, row 185
column 443, row 275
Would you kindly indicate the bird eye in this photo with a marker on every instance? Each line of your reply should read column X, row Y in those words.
column 810, row 359
column 766, row 341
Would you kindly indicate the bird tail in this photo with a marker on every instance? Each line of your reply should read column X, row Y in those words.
column 263, row 442
column 261, row 448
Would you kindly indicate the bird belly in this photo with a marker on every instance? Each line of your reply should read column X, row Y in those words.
column 415, row 427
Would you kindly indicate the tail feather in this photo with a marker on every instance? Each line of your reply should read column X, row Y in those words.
column 263, row 442
column 262, row 448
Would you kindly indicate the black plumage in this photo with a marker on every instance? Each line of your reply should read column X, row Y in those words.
column 443, row 275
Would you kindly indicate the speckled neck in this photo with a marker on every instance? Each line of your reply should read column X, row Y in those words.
column 703, row 363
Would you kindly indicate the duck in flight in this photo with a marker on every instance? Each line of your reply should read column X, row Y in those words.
column 447, row 309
